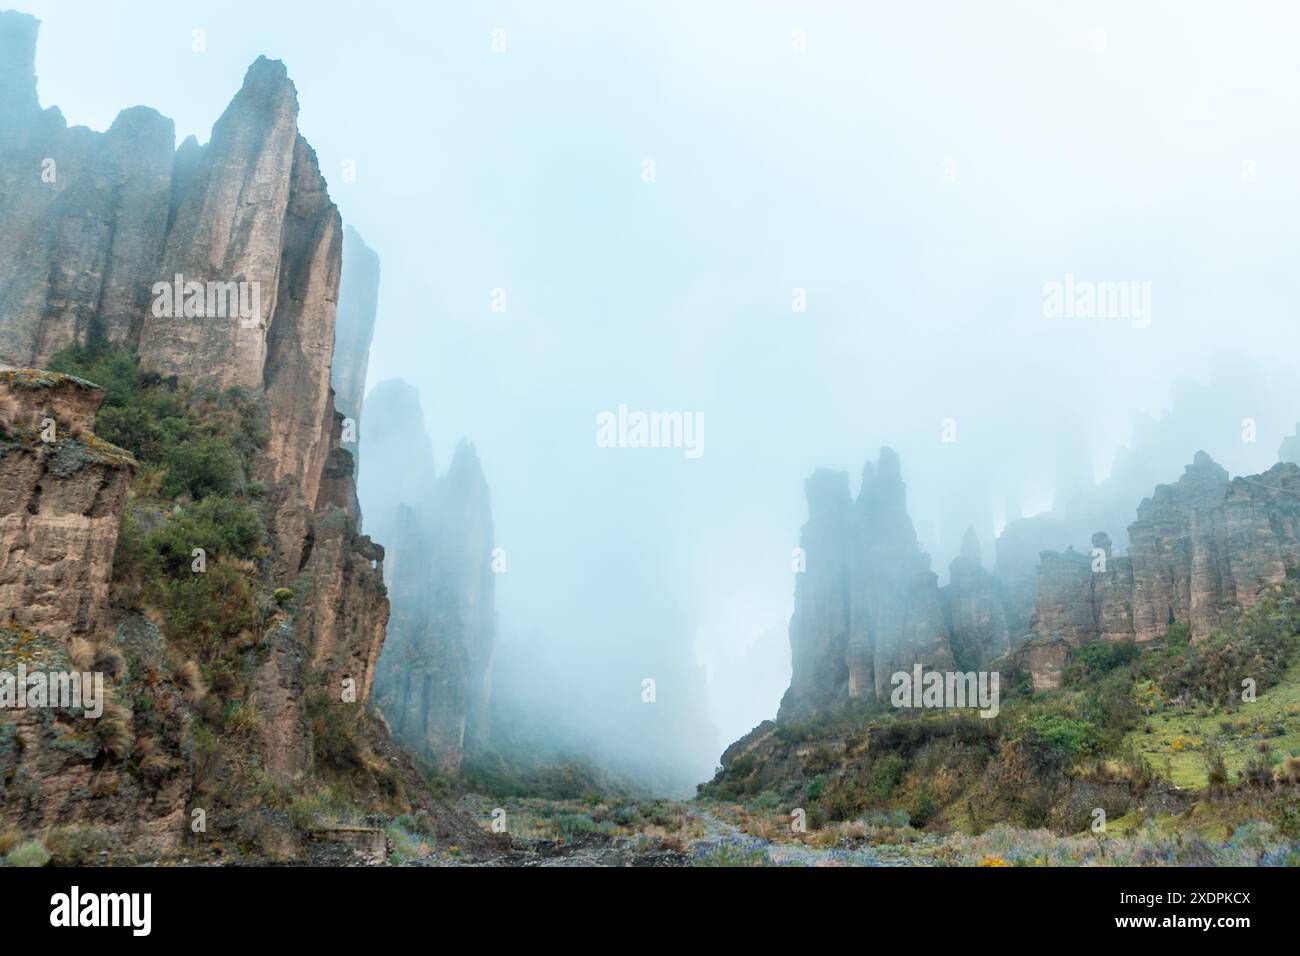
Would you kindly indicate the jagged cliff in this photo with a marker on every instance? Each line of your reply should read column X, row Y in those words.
column 1199, row 548
column 974, row 610
column 867, row 605
column 93, row 221
column 93, row 227
column 358, row 308
column 435, row 675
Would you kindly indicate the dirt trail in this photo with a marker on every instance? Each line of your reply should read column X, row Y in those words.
column 727, row 840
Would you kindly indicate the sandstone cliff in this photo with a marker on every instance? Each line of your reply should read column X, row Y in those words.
column 93, row 221
column 60, row 504
column 1199, row 549
column 91, row 226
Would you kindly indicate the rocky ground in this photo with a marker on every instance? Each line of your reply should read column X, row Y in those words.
column 665, row 833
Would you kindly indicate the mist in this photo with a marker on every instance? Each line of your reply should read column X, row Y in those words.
column 772, row 218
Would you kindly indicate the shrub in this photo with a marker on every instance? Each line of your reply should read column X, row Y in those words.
column 223, row 527
column 1090, row 661
column 1216, row 768
column 1058, row 739
column 924, row 807
column 205, row 612
column 334, row 734
column 206, row 465
column 28, row 854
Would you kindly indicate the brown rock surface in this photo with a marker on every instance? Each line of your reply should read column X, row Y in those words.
column 80, row 255
column 1198, row 547
column 60, row 507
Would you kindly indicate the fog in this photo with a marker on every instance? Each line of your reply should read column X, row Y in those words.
column 652, row 190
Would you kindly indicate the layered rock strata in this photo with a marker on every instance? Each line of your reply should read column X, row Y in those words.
column 1199, row 548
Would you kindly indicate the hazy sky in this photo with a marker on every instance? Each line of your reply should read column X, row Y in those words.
column 921, row 170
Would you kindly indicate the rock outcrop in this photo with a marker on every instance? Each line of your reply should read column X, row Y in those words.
column 358, row 309
column 435, row 676
column 1199, row 548
column 100, row 228
column 867, row 604
column 61, row 497
column 399, row 457
column 96, row 232
column 974, row 610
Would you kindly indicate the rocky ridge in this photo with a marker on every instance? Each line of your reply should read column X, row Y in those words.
column 868, row 605
column 1199, row 549
column 94, row 229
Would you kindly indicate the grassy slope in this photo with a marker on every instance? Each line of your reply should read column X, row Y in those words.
column 1175, row 740
column 1131, row 733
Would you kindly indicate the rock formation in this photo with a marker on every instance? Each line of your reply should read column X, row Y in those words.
column 434, row 684
column 94, row 223
column 1198, row 548
column 60, row 504
column 95, row 228
column 867, row 605
column 973, row 610
column 399, row 456
column 358, row 308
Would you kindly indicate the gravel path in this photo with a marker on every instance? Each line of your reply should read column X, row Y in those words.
column 726, row 840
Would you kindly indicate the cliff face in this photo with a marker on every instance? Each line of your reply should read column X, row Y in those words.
column 434, row 682
column 95, row 228
column 867, row 605
column 123, row 211
column 1198, row 548
column 358, row 307
column 62, row 494
column 60, row 503
column 974, row 610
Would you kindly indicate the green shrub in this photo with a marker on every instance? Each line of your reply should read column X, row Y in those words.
column 1091, row 661
column 924, row 807
column 334, row 731
column 28, row 854
column 1058, row 739
column 206, row 465
column 116, row 372
column 1216, row 768
column 223, row 527
column 205, row 612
